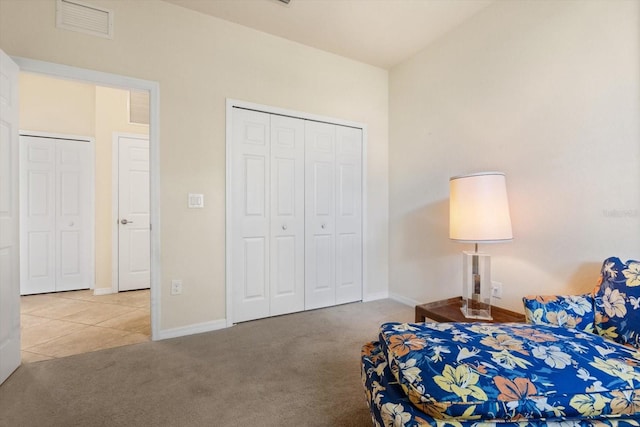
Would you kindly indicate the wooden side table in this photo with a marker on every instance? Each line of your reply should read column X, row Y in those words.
column 448, row 310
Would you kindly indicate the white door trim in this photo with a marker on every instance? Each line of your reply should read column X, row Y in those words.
column 92, row 180
column 114, row 80
column 231, row 103
column 115, row 185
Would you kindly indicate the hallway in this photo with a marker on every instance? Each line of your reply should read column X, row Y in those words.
column 66, row 323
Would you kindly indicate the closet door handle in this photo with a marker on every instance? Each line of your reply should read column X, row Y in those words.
column 323, row 226
column 284, row 226
column 123, row 221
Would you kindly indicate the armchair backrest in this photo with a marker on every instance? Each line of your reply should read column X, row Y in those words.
column 570, row 311
column 617, row 301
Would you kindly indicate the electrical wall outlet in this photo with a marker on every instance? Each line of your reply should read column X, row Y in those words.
column 176, row 287
column 496, row 290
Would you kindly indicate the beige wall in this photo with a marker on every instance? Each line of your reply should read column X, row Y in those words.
column 199, row 61
column 547, row 92
column 74, row 108
column 57, row 106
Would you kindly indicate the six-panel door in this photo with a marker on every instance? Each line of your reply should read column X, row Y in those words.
column 134, row 247
column 9, row 237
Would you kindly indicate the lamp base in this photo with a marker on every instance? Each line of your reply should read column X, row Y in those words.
column 476, row 285
column 476, row 310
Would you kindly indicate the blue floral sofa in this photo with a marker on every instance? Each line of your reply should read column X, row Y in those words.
column 577, row 363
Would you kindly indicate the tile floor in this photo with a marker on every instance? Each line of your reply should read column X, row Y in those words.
column 66, row 323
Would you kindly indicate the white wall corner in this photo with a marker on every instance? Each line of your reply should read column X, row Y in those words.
column 196, row 328
column 404, row 300
column 375, row 296
column 103, row 291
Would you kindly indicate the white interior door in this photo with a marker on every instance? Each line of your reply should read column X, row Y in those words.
column 57, row 214
column 250, row 171
column 134, row 245
column 287, row 215
column 9, row 224
column 348, row 214
column 320, row 284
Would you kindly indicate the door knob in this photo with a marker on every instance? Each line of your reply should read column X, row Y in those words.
column 284, row 226
column 123, row 221
column 323, row 226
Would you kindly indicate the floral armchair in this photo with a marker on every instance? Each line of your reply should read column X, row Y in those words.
column 612, row 310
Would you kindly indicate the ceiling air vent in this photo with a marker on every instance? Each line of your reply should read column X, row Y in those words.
column 85, row 18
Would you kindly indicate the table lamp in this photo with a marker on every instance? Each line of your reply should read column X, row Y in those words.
column 478, row 213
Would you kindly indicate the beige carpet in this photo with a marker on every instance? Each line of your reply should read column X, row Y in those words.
column 296, row 370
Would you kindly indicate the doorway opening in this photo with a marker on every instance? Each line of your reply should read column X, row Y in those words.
column 127, row 317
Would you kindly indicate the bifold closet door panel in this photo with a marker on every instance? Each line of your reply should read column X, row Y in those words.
column 348, row 214
column 56, row 215
column 73, row 205
column 320, row 141
column 250, row 174
column 287, row 215
column 38, row 215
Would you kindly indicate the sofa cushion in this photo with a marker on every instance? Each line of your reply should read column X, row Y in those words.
column 511, row 371
column 390, row 406
column 617, row 301
column 571, row 311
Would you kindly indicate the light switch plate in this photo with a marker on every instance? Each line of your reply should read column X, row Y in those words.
column 196, row 200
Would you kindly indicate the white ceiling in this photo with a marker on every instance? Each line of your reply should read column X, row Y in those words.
column 378, row 32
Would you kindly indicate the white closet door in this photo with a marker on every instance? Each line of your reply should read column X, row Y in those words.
column 287, row 215
column 56, row 215
column 74, row 225
column 320, row 139
column 348, row 214
column 38, row 215
column 250, row 223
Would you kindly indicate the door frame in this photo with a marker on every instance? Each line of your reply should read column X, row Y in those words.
column 92, row 198
column 124, row 82
column 115, row 192
column 234, row 103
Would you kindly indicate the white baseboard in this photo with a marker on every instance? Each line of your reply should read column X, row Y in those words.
column 197, row 328
column 102, row 291
column 404, row 300
column 376, row 296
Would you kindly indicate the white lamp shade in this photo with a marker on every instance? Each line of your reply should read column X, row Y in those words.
column 479, row 208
